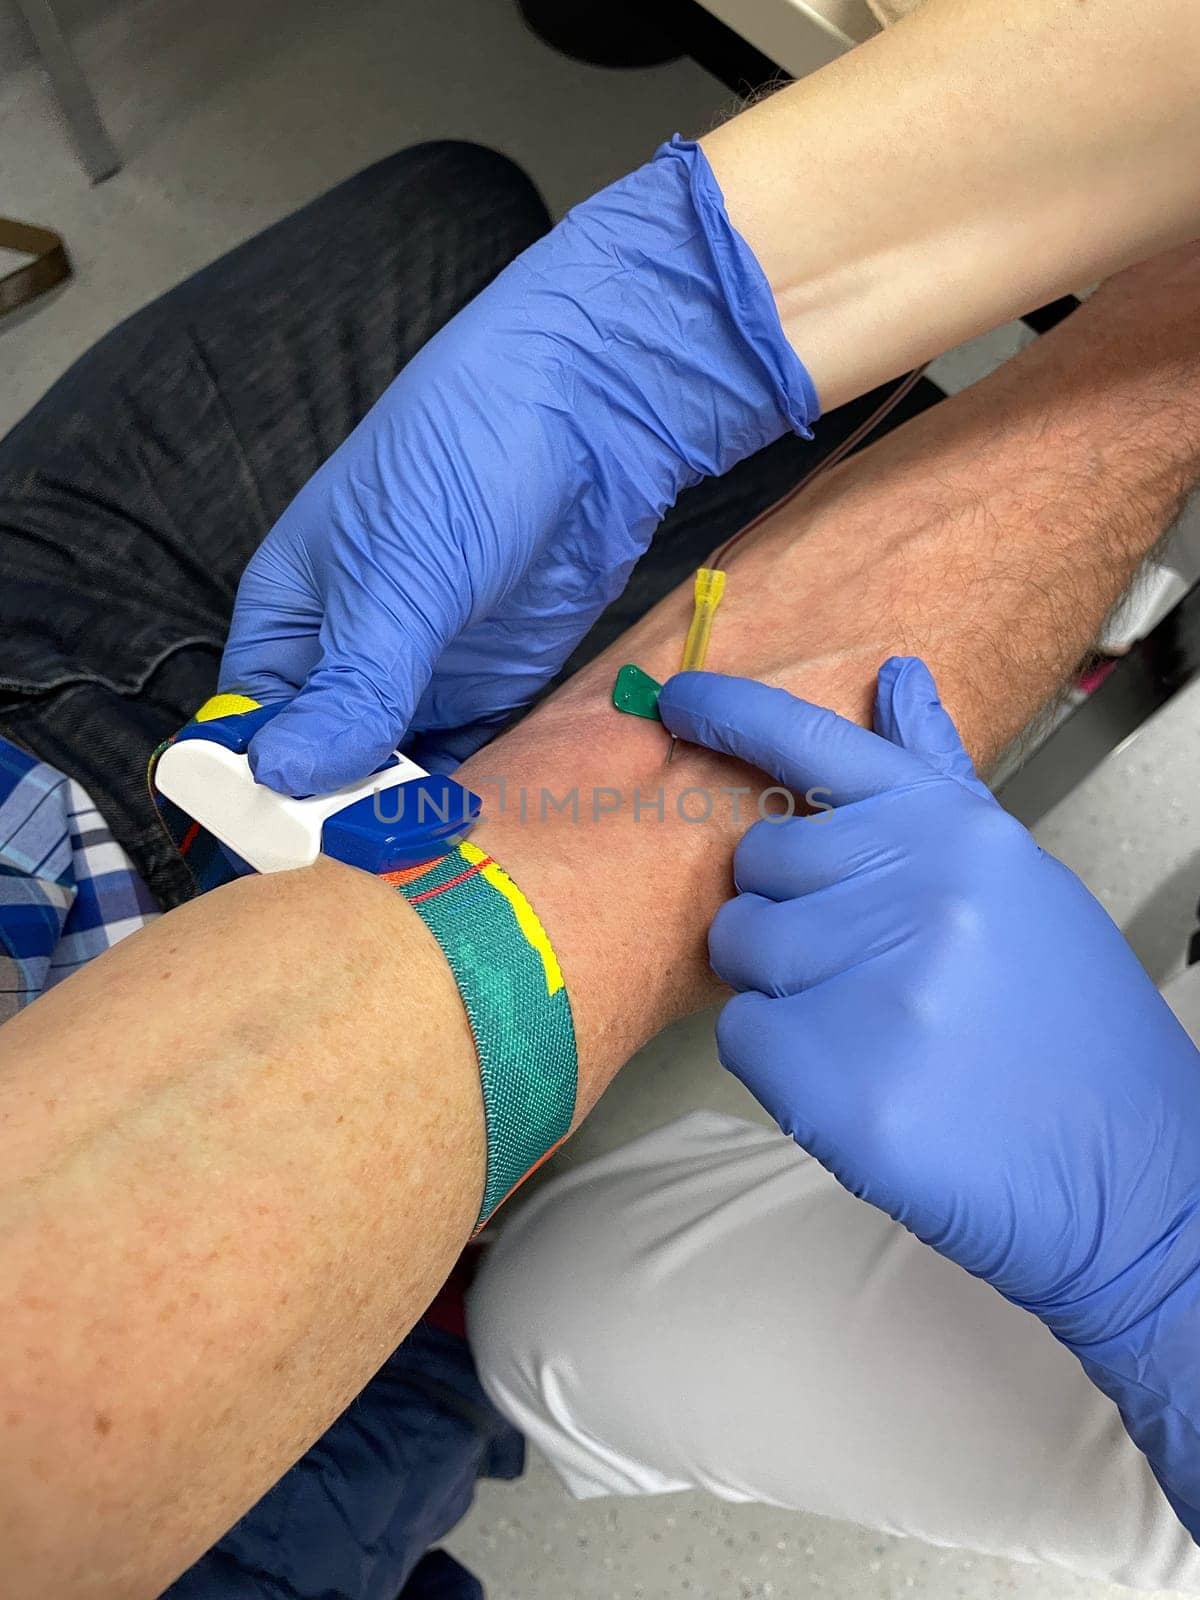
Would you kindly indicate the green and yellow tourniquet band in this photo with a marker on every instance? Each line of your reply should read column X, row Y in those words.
column 516, row 1002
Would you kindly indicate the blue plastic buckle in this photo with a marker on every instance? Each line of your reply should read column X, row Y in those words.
column 402, row 826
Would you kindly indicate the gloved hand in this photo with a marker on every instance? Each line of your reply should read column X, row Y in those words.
column 443, row 563
column 949, row 1022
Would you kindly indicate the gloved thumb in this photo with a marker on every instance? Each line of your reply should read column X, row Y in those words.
column 342, row 726
column 800, row 745
column 909, row 713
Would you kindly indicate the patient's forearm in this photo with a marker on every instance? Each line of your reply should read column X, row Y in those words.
column 240, row 1151
column 977, row 160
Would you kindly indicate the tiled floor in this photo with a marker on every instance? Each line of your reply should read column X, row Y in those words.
column 229, row 115
column 527, row 1542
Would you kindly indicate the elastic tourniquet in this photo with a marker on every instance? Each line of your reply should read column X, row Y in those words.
column 516, row 1002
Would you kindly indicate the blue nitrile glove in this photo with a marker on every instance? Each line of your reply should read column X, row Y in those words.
column 444, row 562
column 949, row 1022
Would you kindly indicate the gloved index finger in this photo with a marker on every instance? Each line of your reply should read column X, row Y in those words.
column 799, row 744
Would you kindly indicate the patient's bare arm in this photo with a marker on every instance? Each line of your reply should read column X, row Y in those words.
column 239, row 1152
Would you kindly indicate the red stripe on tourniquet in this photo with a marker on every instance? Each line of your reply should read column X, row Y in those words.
column 189, row 839
column 541, row 1161
column 428, row 894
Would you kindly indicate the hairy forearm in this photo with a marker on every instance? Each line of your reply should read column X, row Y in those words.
column 240, row 1150
column 979, row 159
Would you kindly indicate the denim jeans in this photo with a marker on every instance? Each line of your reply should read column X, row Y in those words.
column 134, row 493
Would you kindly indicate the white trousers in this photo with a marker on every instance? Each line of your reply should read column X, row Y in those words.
column 706, row 1307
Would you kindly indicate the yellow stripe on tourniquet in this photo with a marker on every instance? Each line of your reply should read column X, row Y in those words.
column 527, row 917
column 225, row 705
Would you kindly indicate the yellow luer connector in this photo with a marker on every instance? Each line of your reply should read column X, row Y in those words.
column 709, row 587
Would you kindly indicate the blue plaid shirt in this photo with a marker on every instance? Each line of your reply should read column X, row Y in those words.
column 67, row 889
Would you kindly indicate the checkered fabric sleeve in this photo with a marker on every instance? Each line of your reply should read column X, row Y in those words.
column 67, row 889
